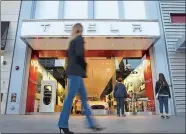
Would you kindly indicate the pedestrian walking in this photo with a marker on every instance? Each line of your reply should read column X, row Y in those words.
column 120, row 93
column 163, row 95
column 76, row 70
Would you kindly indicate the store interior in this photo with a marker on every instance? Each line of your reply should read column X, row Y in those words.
column 102, row 74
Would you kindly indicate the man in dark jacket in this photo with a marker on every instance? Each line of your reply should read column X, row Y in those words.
column 120, row 94
column 76, row 70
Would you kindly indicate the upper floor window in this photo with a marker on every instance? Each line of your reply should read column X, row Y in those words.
column 76, row 10
column 178, row 17
column 134, row 9
column 106, row 10
column 46, row 9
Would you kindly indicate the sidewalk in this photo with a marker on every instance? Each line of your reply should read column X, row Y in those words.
column 113, row 124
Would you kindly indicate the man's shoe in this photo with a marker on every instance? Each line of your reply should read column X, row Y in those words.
column 167, row 117
column 162, row 117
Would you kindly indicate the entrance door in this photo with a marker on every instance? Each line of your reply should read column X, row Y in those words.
column 48, row 96
column 100, row 71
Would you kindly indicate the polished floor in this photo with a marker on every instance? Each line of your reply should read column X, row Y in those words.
column 113, row 124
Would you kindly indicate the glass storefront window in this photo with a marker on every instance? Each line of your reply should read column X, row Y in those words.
column 76, row 10
column 106, row 10
column 45, row 70
column 134, row 9
column 46, row 10
column 102, row 76
column 137, row 78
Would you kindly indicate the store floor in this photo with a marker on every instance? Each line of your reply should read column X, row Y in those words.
column 129, row 124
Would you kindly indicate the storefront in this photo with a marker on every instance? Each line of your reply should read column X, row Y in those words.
column 118, row 44
column 113, row 49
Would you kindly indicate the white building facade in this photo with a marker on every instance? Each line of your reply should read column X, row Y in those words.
column 43, row 25
column 9, row 21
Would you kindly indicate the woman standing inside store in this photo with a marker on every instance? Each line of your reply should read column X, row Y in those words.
column 163, row 95
column 76, row 70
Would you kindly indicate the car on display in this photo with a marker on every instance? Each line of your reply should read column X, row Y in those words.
column 114, row 103
column 78, row 107
column 93, row 105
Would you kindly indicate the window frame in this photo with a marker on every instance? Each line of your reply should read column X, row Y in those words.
column 182, row 23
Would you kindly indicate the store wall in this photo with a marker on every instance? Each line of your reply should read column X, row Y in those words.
column 9, row 12
column 174, row 32
column 158, row 54
column 16, row 94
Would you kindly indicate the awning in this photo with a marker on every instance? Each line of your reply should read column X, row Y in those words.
column 4, row 33
column 99, row 34
column 181, row 43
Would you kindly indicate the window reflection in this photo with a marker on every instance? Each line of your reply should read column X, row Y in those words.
column 47, row 9
column 134, row 9
column 106, row 10
column 76, row 10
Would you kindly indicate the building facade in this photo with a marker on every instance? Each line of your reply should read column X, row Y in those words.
column 9, row 20
column 173, row 19
column 138, row 31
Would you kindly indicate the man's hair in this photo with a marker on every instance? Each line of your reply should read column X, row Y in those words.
column 120, row 79
column 78, row 27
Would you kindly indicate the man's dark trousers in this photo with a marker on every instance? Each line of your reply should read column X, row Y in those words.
column 120, row 106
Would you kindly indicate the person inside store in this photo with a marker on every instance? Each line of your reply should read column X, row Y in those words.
column 109, row 103
column 120, row 93
column 163, row 95
column 76, row 71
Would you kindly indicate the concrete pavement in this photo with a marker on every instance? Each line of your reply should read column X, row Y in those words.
column 113, row 124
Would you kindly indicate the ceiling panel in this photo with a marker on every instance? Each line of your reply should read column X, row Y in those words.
column 93, row 44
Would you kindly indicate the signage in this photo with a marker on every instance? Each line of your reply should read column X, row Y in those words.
column 13, row 97
column 91, row 28
column 114, row 28
column 68, row 27
column 96, row 28
column 45, row 27
column 136, row 27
